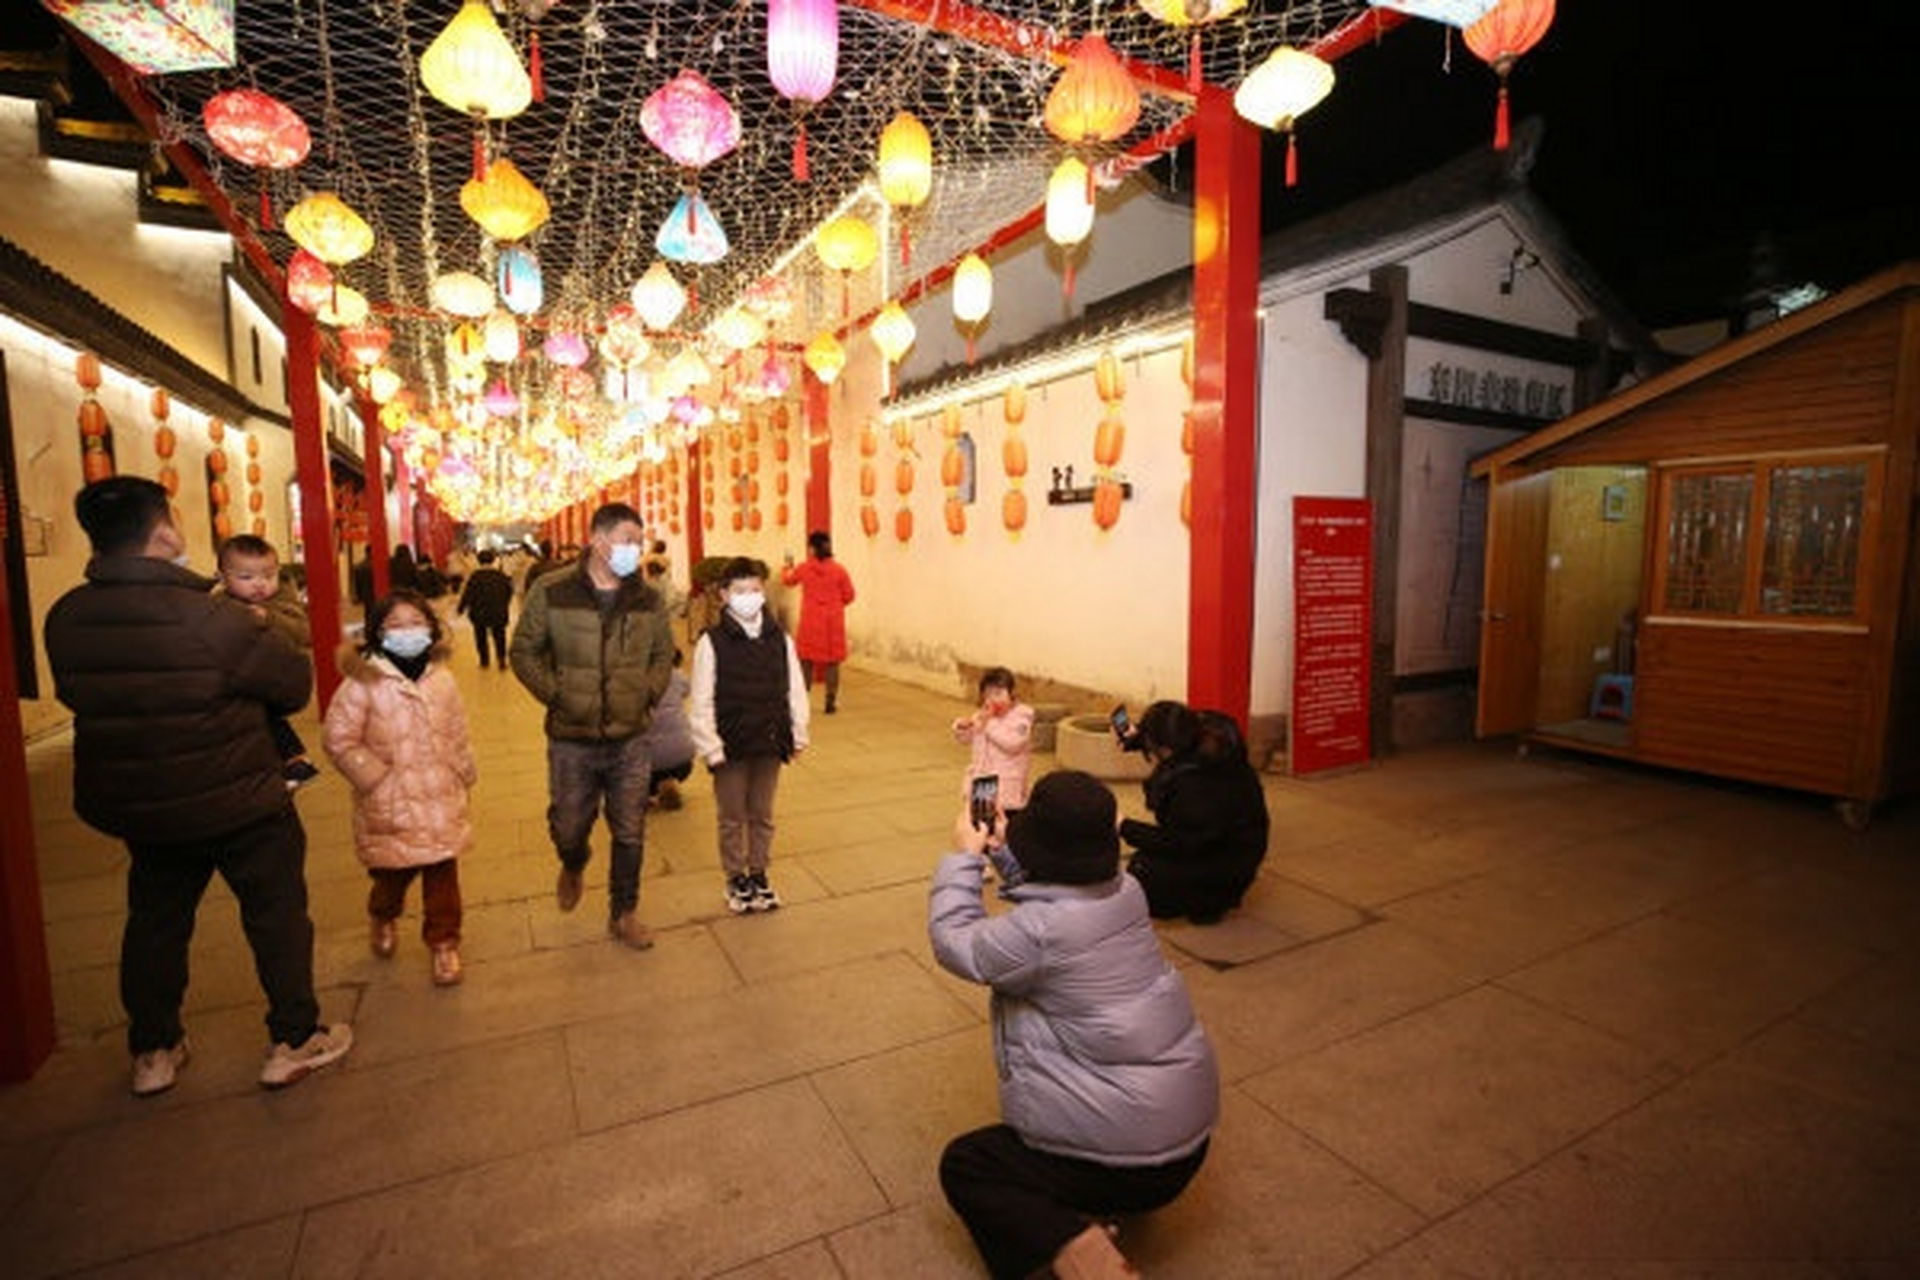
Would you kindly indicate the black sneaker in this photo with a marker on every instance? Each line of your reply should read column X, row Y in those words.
column 764, row 898
column 299, row 772
column 740, row 894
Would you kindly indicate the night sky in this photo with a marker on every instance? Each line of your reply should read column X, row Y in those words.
column 1680, row 135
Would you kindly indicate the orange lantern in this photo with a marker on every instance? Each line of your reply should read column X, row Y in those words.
column 1013, row 455
column 86, row 371
column 1106, row 502
column 1013, row 510
column 1094, row 100
column 956, row 513
column 1499, row 39
column 903, row 524
column 1108, row 440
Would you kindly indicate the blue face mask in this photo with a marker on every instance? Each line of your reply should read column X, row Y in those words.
column 623, row 558
column 408, row 642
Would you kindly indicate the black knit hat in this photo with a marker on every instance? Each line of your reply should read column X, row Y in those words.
column 1066, row 834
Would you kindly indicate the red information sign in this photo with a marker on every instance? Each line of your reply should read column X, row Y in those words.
column 1332, row 632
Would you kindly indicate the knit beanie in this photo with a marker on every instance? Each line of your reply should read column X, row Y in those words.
column 1066, row 834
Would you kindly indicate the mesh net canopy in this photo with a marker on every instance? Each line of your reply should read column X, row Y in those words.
column 977, row 77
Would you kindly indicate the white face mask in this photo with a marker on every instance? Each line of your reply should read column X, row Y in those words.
column 407, row 642
column 747, row 605
column 623, row 558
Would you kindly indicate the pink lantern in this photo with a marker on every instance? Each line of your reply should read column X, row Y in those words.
column 566, row 348
column 500, row 400
column 803, row 56
column 691, row 121
column 309, row 282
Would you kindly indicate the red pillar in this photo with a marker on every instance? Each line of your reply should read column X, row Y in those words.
column 26, row 982
column 819, row 456
column 379, row 541
column 1226, row 297
column 316, row 498
column 696, row 519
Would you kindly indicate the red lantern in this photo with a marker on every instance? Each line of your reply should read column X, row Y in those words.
column 257, row 129
column 1499, row 39
column 309, row 282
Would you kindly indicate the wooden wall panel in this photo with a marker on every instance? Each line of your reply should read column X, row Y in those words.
column 1779, row 706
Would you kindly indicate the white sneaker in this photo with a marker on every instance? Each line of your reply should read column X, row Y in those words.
column 155, row 1070
column 287, row 1065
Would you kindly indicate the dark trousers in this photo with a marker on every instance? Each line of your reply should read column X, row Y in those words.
column 264, row 864
column 497, row 633
column 1021, row 1205
column 583, row 778
column 439, row 898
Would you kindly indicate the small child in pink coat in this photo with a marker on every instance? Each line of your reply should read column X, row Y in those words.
column 397, row 731
column 1001, row 733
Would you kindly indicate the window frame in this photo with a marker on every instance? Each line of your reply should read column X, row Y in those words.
column 1760, row 470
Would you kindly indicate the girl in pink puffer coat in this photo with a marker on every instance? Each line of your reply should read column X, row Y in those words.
column 397, row 731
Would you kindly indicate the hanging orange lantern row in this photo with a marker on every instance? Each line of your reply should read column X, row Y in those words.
column 783, row 455
column 869, row 448
column 1109, row 439
column 1013, row 459
column 96, row 433
column 953, row 470
column 165, row 442
column 219, row 494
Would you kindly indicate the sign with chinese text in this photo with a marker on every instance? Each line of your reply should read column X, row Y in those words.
column 1332, row 633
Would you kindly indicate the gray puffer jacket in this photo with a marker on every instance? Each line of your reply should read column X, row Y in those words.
column 1100, row 1054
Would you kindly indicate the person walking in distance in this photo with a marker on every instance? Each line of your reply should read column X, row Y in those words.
column 172, row 754
column 826, row 590
column 594, row 648
column 487, row 600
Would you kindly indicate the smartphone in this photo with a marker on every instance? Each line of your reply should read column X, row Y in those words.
column 1122, row 724
column 983, row 801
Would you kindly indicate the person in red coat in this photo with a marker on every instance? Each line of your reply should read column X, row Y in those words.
column 826, row 591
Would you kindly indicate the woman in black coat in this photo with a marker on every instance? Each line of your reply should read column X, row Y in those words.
column 1200, row 854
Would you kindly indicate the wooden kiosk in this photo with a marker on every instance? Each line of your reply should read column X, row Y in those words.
column 1715, row 569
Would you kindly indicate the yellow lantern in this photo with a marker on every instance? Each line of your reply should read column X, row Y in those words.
column 1280, row 90
column 501, row 337
column 906, row 171
column 472, row 67
column 461, row 293
column 892, row 331
column 346, row 308
column 658, row 297
column 825, row 356
column 1069, row 210
column 328, row 228
column 383, row 384
column 972, row 295
column 847, row 244
column 465, row 347
column 1194, row 14
column 505, row 204
column 737, row 329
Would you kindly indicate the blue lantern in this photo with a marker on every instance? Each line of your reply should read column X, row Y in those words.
column 521, row 288
column 691, row 234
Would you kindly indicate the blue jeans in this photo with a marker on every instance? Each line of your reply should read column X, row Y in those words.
column 583, row 778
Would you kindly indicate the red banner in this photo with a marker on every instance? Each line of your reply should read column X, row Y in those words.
column 1332, row 632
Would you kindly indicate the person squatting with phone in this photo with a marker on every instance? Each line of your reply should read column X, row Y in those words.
column 1108, row 1086
column 1000, row 732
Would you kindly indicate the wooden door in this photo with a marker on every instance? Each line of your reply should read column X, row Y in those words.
column 1510, row 616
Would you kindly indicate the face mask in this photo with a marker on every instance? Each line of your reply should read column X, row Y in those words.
column 410, row 642
column 623, row 559
column 747, row 605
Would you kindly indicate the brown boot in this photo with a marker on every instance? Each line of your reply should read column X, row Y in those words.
column 1092, row 1255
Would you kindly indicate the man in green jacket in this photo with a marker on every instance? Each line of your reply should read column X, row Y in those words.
column 593, row 645
column 171, row 690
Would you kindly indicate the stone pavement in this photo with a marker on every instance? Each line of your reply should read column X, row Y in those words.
column 1484, row 1015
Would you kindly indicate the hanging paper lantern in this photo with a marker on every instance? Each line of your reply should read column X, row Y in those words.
column 326, row 227
column 847, row 244
column 825, row 356
column 471, row 66
column 803, row 55
column 1195, row 14
column 658, row 297
column 769, row 297
column 501, row 334
column 737, row 329
column 465, row 347
column 1499, row 39
column 522, row 288
column 1094, row 100
column 566, row 349
column 366, row 345
column 461, row 293
column 1281, row 90
column 345, row 306
column 155, row 38
column 691, row 234
column 773, row 382
column 972, row 296
column 507, row 206
column 257, row 129
column 500, row 401
column 906, row 170
column 383, row 384
column 625, row 341
column 691, row 121
column 309, row 282
column 892, row 331
column 1069, row 211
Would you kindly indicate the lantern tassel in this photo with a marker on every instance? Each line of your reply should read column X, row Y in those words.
column 1067, row 285
column 1293, row 161
column 800, row 171
column 1500, row 133
column 906, row 244
column 266, row 204
column 535, row 70
column 1194, row 70
column 969, row 346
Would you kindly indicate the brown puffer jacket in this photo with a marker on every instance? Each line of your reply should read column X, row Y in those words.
column 171, row 689
column 403, row 746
